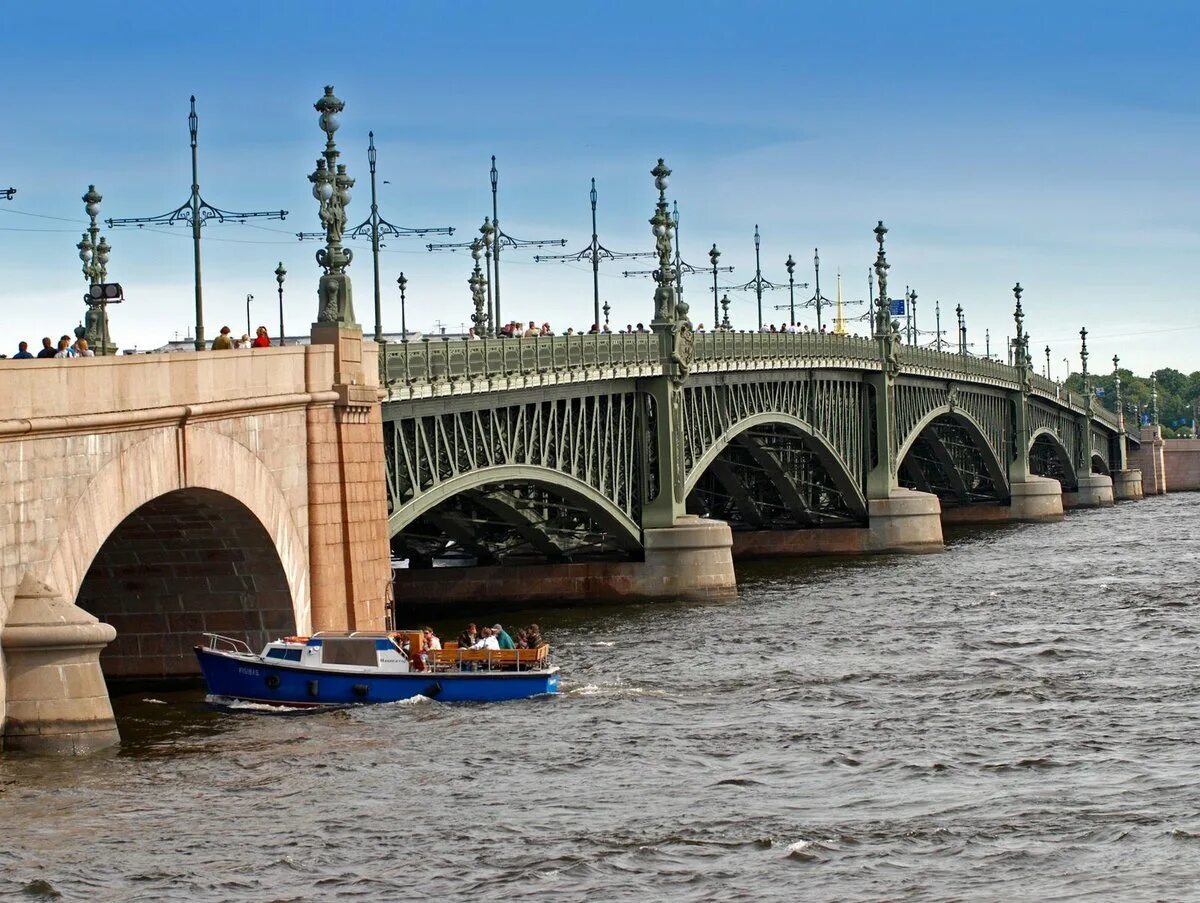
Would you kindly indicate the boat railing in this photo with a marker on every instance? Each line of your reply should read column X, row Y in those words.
column 215, row 640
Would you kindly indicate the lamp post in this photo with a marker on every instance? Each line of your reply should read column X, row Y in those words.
column 725, row 324
column 962, row 330
column 1021, row 344
column 883, row 326
column 607, row 310
column 477, row 283
column 196, row 212
column 375, row 227
column 249, row 298
column 912, row 319
column 403, row 284
column 713, row 256
column 280, row 273
column 331, row 188
column 791, row 271
column 1117, row 390
column 819, row 301
column 94, row 251
column 595, row 252
column 1083, row 357
column 499, row 239
column 1154, row 398
column 488, row 231
column 1047, row 362
column 1067, row 361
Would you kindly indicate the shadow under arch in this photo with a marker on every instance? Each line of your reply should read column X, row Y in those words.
column 995, row 467
column 185, row 563
column 1048, row 457
column 813, row 441
column 608, row 516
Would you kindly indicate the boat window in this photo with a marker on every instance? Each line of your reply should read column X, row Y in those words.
column 350, row 651
column 290, row 655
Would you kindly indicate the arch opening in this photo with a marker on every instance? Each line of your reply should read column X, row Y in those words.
column 773, row 477
column 513, row 522
column 946, row 459
column 1048, row 458
column 184, row 563
column 1099, row 465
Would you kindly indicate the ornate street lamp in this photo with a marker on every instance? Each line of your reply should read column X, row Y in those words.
column 913, row 332
column 607, row 310
column 95, row 251
column 1154, row 397
column 280, row 273
column 725, row 324
column 1117, row 391
column 962, row 330
column 331, row 188
column 666, row 310
column 477, row 284
column 1047, row 362
column 488, row 232
column 791, row 271
column 403, row 284
column 882, row 326
column 1022, row 340
column 1083, row 356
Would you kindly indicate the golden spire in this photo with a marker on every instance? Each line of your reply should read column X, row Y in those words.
column 839, row 325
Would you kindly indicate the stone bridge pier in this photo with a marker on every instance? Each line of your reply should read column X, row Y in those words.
column 146, row 500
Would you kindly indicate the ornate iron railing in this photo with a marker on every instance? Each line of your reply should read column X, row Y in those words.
column 436, row 366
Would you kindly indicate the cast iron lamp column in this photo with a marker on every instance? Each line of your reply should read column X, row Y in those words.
column 713, row 256
column 280, row 273
column 791, row 271
column 331, row 188
column 196, row 211
column 402, row 282
column 94, row 251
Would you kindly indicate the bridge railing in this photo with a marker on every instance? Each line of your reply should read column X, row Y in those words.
column 448, row 360
column 752, row 347
column 953, row 362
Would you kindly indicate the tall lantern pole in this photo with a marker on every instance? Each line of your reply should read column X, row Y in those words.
column 331, row 188
column 791, row 271
column 280, row 275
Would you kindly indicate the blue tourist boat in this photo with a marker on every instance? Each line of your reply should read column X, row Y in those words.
column 353, row 668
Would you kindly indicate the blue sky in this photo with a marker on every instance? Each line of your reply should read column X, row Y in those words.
column 1052, row 144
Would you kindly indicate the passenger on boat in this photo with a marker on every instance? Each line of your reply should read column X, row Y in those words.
column 533, row 636
column 467, row 638
column 502, row 637
column 521, row 640
column 431, row 639
column 486, row 641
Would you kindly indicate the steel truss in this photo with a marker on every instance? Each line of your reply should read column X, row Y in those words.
column 585, row 451
column 769, row 478
column 946, row 460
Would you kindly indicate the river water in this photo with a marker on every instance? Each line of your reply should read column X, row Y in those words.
column 1014, row 718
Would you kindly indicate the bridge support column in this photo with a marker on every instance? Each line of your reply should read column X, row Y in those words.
column 906, row 521
column 57, row 701
column 348, row 536
column 1127, row 485
column 1095, row 491
column 691, row 560
column 1036, row 499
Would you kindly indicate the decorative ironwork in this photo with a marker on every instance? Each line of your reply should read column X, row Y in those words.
column 595, row 252
column 196, row 211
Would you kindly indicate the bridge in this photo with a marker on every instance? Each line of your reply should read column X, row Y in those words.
column 255, row 493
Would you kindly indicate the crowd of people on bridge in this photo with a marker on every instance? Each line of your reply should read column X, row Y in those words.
column 226, row 342
column 65, row 348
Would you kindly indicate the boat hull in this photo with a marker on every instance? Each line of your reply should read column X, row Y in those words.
column 253, row 680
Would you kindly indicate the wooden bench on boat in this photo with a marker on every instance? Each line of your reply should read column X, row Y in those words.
column 506, row 659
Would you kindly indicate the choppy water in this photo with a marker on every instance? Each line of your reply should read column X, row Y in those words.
column 1015, row 718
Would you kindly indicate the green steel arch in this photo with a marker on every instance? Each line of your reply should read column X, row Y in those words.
column 995, row 466
column 608, row 516
column 830, row 460
column 1064, row 456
